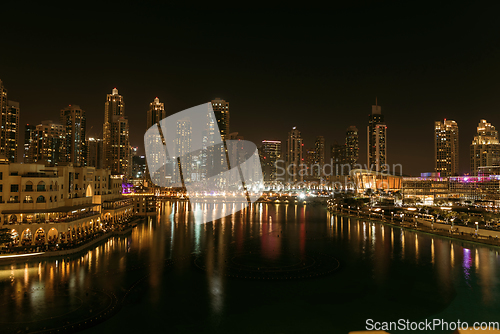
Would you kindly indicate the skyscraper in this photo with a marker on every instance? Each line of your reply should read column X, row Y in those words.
column 377, row 143
column 183, row 148
column 446, row 147
column 116, row 145
column 95, row 154
column 221, row 111
column 338, row 153
column 73, row 120
column 485, row 148
column 270, row 153
column 156, row 112
column 319, row 148
column 29, row 131
column 48, row 144
column 351, row 146
column 294, row 156
column 10, row 130
column 9, row 126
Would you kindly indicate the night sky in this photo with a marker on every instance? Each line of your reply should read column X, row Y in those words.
column 317, row 69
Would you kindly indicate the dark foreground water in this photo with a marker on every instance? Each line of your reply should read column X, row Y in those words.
column 267, row 269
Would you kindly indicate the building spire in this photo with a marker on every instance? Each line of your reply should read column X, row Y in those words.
column 376, row 101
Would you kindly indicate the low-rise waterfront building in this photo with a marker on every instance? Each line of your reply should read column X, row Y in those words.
column 59, row 204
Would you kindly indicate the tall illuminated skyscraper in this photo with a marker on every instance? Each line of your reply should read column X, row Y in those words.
column 10, row 130
column 446, row 147
column 294, row 156
column 156, row 112
column 95, row 152
column 352, row 146
column 183, row 149
column 116, row 144
column 270, row 153
column 319, row 148
column 9, row 126
column 377, row 140
column 485, row 148
column 29, row 130
column 221, row 111
column 73, row 120
column 48, row 144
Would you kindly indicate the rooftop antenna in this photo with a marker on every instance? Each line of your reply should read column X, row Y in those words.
column 376, row 101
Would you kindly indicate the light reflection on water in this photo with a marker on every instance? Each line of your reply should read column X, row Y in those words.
column 152, row 273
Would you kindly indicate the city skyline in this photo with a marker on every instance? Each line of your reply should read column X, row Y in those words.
column 161, row 113
column 416, row 74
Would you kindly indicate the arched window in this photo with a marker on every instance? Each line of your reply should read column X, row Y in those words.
column 28, row 199
column 40, row 199
column 13, row 219
column 29, row 186
column 40, row 186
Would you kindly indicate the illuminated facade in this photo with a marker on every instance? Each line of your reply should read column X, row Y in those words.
column 155, row 114
column 51, row 205
column 29, row 131
column 270, row 153
column 425, row 189
column 319, row 157
column 377, row 140
column 47, row 144
column 351, row 146
column 116, row 144
column 9, row 126
column 221, row 111
column 73, row 120
column 485, row 147
column 294, row 156
column 376, row 181
column 446, row 147
column 95, row 153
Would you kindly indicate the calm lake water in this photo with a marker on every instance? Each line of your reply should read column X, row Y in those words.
column 271, row 268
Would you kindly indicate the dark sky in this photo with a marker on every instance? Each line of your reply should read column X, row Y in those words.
column 317, row 69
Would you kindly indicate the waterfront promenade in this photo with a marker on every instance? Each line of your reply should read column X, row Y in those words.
column 464, row 233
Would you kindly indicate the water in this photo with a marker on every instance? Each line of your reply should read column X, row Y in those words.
column 267, row 269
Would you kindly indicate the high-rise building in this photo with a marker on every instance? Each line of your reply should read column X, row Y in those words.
column 156, row 112
column 95, row 154
column 446, row 147
column 294, row 156
column 48, row 144
column 270, row 153
column 221, row 111
column 377, row 140
column 319, row 148
column 73, row 120
column 29, row 130
column 338, row 155
column 183, row 149
column 485, row 148
column 116, row 144
column 9, row 126
column 352, row 146
column 10, row 130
